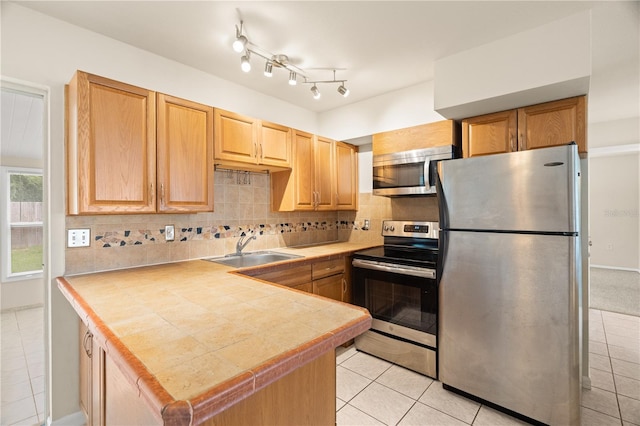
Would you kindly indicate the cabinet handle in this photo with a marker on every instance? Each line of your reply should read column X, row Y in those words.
column 88, row 337
column 261, row 152
column 344, row 286
column 151, row 191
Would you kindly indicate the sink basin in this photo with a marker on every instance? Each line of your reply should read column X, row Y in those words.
column 252, row 259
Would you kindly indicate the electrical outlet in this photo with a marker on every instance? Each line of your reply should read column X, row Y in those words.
column 169, row 233
column 366, row 224
column 609, row 246
column 78, row 237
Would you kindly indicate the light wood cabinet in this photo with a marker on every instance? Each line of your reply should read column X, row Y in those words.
column 325, row 173
column 553, row 123
column 92, row 378
column 290, row 275
column 324, row 176
column 346, row 176
column 111, row 147
column 329, row 279
column 130, row 150
column 247, row 143
column 490, row 134
column 185, row 155
column 537, row 126
column 439, row 133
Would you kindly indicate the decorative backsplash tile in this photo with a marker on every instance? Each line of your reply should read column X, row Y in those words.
column 128, row 237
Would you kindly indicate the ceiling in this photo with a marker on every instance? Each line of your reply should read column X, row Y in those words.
column 377, row 46
column 21, row 130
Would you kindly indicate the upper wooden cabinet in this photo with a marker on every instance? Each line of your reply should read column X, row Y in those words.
column 111, row 147
column 490, row 134
column 121, row 160
column 185, row 155
column 346, row 176
column 323, row 176
column 537, row 126
column 248, row 143
column 325, row 173
column 439, row 133
column 553, row 123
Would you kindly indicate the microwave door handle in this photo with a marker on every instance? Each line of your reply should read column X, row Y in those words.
column 427, row 173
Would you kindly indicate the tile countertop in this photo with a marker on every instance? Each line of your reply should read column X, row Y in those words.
column 195, row 338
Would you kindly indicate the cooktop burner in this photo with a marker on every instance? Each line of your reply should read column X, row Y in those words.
column 406, row 243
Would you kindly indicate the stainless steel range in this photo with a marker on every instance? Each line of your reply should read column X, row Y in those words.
column 396, row 282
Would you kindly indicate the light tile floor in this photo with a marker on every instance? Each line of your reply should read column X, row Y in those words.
column 371, row 391
column 22, row 365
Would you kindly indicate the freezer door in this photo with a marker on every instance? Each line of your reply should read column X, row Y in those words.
column 534, row 190
column 510, row 318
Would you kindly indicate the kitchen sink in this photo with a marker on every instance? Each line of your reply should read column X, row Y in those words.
column 252, row 259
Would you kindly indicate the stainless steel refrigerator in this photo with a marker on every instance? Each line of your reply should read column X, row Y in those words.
column 510, row 310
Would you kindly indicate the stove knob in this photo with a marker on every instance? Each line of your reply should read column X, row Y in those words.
column 385, row 228
column 391, row 228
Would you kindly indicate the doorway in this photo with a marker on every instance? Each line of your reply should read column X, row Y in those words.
column 24, row 252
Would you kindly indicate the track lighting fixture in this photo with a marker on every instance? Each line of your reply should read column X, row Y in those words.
column 268, row 69
column 244, row 63
column 315, row 91
column 242, row 45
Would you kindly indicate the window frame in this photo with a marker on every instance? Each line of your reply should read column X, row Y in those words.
column 6, row 224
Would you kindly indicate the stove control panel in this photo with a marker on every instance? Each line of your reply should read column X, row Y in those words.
column 410, row 229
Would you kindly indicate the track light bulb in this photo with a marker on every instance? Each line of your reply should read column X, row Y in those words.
column 268, row 69
column 292, row 78
column 316, row 92
column 245, row 64
column 240, row 43
column 343, row 90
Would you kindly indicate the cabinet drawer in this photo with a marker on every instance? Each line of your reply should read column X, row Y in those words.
column 291, row 276
column 326, row 268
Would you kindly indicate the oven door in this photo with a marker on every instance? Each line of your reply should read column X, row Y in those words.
column 402, row 300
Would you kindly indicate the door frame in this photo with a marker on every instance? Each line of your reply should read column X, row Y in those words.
column 45, row 92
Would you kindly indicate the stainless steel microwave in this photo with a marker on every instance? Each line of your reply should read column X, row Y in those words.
column 409, row 172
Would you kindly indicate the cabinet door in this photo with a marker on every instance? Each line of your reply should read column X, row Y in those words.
column 111, row 146
column 235, row 137
column 489, row 134
column 346, row 176
column 552, row 124
column 325, row 176
column 332, row 287
column 85, row 371
column 274, row 145
column 304, row 170
column 185, row 156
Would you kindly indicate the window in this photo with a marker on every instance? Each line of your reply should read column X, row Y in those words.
column 22, row 239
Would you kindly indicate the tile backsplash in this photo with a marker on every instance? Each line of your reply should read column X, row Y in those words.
column 242, row 206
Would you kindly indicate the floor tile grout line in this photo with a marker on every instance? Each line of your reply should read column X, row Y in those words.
column 615, row 387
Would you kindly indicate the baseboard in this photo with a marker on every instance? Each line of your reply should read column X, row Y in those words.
column 586, row 382
column 73, row 419
column 617, row 268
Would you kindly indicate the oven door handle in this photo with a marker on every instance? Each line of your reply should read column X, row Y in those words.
column 396, row 269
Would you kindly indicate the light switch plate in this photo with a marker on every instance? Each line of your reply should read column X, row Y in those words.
column 78, row 237
column 169, row 233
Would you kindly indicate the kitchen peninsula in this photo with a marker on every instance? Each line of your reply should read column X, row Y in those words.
column 196, row 343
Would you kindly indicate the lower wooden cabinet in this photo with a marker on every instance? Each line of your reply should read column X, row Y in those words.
column 92, row 391
column 328, row 278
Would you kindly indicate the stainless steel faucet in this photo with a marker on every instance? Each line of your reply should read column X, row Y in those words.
column 242, row 244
